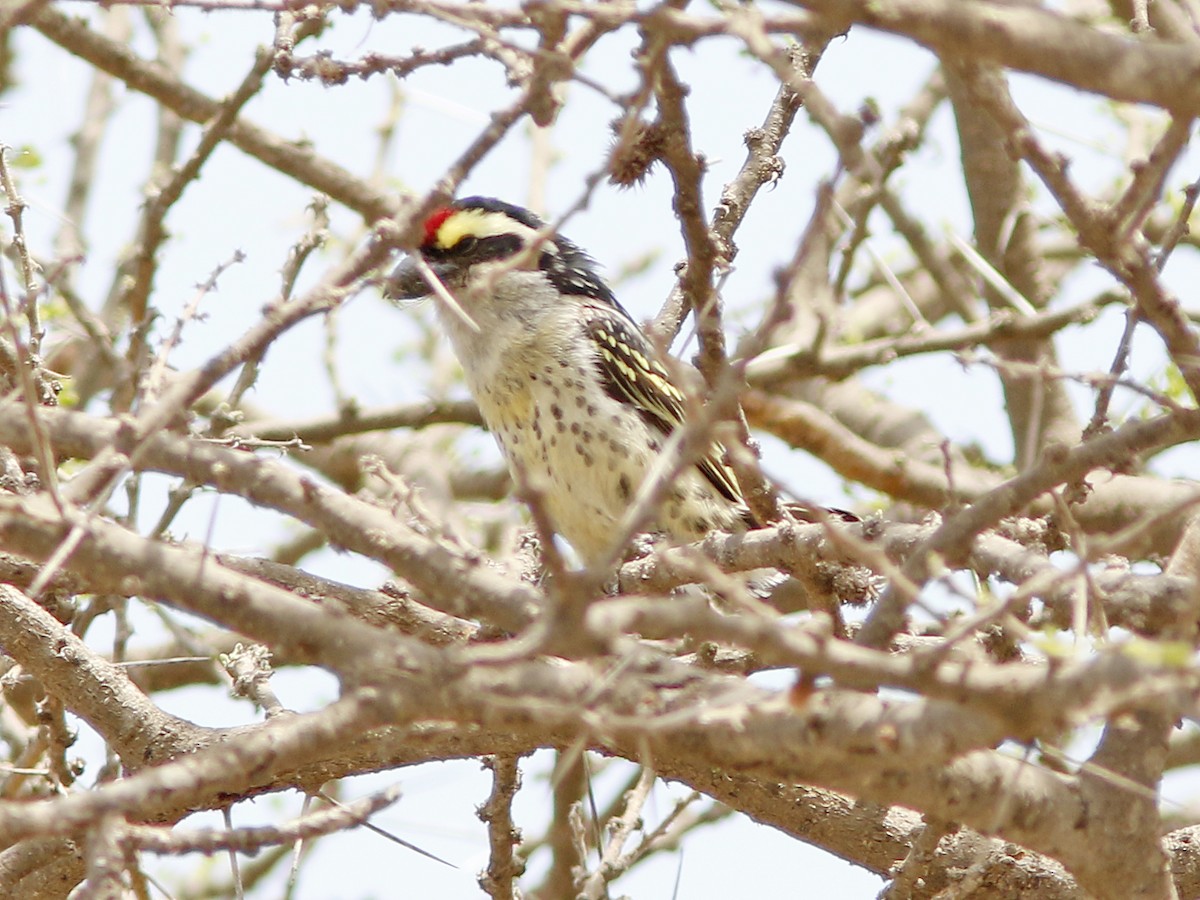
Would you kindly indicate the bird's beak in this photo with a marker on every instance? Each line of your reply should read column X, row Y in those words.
column 416, row 277
column 408, row 281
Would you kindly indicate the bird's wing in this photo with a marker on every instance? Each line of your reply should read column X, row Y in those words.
column 633, row 374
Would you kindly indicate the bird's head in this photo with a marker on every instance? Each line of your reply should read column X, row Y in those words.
column 475, row 242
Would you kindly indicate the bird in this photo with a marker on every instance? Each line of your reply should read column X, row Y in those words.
column 578, row 398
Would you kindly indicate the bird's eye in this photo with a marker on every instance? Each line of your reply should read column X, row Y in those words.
column 466, row 244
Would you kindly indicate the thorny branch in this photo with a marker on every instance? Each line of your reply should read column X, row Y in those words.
column 922, row 643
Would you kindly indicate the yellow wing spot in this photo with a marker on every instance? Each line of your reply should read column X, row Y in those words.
column 663, row 385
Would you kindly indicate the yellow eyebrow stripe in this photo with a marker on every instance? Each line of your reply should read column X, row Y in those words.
column 479, row 223
column 467, row 223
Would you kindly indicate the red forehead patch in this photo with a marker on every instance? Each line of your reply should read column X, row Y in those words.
column 434, row 222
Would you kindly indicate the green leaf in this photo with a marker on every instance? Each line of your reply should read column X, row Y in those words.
column 25, row 157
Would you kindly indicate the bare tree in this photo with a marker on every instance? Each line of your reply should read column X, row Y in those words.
column 947, row 656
